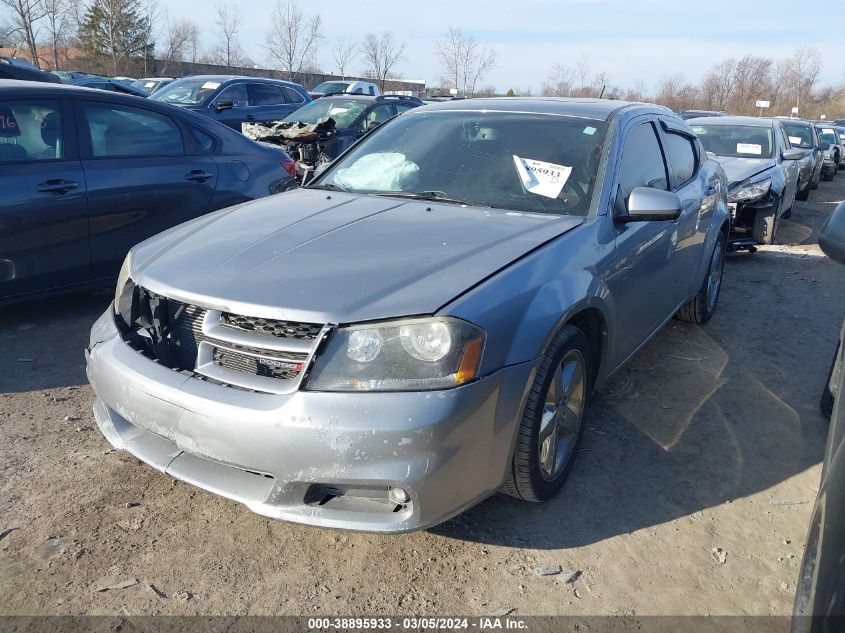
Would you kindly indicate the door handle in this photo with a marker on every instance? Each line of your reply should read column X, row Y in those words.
column 57, row 186
column 198, row 175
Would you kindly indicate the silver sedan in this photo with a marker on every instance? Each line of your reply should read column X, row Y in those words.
column 425, row 323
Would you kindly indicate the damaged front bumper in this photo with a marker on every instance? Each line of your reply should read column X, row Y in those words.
column 383, row 462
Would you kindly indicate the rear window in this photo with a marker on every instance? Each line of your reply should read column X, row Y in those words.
column 737, row 141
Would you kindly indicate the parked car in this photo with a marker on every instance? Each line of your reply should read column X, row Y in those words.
column 351, row 87
column 86, row 174
column 840, row 134
column 762, row 170
column 697, row 114
column 322, row 130
column 425, row 323
column 831, row 151
column 819, row 607
column 804, row 135
column 14, row 68
column 104, row 83
column 234, row 100
column 150, row 84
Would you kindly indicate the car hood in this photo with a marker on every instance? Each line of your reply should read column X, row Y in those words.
column 739, row 169
column 328, row 257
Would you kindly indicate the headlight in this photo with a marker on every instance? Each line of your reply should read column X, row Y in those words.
column 407, row 355
column 747, row 192
column 124, row 290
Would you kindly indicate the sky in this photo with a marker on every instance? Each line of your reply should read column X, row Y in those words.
column 632, row 41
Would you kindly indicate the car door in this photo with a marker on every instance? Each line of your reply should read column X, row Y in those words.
column 682, row 152
column 43, row 207
column 231, row 106
column 647, row 285
column 144, row 173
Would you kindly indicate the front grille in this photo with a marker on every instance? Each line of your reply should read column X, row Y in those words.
column 266, row 366
column 271, row 327
column 179, row 332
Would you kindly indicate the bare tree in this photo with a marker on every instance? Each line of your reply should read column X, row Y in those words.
column 803, row 70
column 179, row 40
column 381, row 53
column 676, row 93
column 293, row 38
column 56, row 19
column 466, row 62
column 560, row 82
column 227, row 24
column 343, row 54
column 26, row 15
column 717, row 87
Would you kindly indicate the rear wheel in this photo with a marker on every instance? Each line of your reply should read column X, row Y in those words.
column 700, row 308
column 553, row 420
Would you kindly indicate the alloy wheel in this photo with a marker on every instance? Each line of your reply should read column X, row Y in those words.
column 563, row 415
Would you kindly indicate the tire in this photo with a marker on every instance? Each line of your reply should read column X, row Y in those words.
column 827, row 399
column 765, row 226
column 534, row 475
column 814, row 184
column 828, row 176
column 701, row 307
column 803, row 194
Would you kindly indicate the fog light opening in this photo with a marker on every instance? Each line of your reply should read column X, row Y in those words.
column 398, row 496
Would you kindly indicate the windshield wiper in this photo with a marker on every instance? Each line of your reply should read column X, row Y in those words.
column 435, row 196
column 329, row 186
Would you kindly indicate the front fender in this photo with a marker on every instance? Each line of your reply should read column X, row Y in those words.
column 554, row 283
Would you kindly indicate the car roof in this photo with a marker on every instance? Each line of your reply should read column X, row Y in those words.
column 752, row 121
column 795, row 121
column 598, row 109
column 226, row 78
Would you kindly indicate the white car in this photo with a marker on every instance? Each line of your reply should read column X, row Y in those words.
column 345, row 87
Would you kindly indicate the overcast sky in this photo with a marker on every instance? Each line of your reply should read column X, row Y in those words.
column 630, row 40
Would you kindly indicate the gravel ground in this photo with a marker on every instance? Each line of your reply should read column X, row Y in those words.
column 692, row 495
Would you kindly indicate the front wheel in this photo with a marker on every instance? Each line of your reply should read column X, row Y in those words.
column 765, row 226
column 553, row 420
column 701, row 307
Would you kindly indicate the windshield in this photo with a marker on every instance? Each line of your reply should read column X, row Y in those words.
column 343, row 111
column 187, row 91
column 738, row 141
column 331, row 87
column 799, row 135
column 827, row 136
column 525, row 162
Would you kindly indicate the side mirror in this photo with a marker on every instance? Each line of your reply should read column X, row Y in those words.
column 793, row 154
column 832, row 236
column 648, row 204
column 824, row 147
column 223, row 105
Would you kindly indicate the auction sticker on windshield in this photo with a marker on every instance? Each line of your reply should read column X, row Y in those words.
column 211, row 85
column 749, row 148
column 795, row 140
column 544, row 179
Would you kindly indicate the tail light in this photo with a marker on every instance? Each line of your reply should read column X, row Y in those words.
column 289, row 166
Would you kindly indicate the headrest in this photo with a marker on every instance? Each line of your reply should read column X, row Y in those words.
column 50, row 129
column 8, row 123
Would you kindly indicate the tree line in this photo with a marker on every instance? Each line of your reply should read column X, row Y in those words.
column 733, row 85
column 118, row 37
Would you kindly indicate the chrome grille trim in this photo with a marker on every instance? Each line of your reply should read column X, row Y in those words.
column 212, row 328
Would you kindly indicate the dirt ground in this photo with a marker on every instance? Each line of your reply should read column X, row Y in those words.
column 692, row 495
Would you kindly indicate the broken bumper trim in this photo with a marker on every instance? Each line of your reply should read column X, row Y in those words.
column 447, row 449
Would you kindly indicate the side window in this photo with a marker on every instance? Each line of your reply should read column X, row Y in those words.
column 682, row 155
column 265, row 94
column 379, row 114
column 30, row 131
column 371, row 91
column 205, row 141
column 236, row 93
column 402, row 107
column 292, row 95
column 642, row 162
column 784, row 138
column 118, row 130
